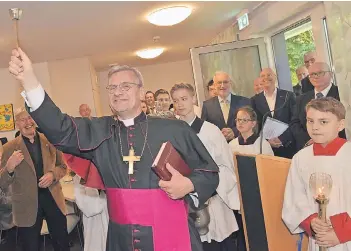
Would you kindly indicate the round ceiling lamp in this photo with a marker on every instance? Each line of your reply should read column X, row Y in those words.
column 169, row 16
column 150, row 53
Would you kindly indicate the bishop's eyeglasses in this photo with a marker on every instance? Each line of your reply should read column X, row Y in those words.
column 317, row 74
column 123, row 87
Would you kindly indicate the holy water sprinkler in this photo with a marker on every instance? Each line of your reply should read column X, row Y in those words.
column 15, row 14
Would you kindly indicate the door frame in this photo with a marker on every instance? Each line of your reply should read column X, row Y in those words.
column 195, row 59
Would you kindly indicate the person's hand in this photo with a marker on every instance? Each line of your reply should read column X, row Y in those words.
column 21, row 68
column 46, row 180
column 275, row 142
column 15, row 159
column 228, row 133
column 328, row 239
column 178, row 186
column 319, row 226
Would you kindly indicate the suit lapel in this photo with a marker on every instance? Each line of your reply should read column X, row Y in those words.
column 279, row 101
column 218, row 107
column 333, row 92
column 263, row 101
column 232, row 109
column 22, row 146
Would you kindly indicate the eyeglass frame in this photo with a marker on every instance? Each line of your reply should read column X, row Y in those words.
column 317, row 74
column 225, row 82
column 125, row 89
column 244, row 121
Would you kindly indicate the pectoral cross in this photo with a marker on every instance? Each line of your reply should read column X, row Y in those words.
column 131, row 158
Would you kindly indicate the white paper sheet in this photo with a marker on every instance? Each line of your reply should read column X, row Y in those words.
column 273, row 128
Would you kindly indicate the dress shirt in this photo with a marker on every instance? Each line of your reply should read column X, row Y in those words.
column 324, row 92
column 271, row 100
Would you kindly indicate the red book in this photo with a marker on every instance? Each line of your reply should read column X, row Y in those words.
column 168, row 154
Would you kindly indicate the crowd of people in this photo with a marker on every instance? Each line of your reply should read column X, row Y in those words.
column 134, row 209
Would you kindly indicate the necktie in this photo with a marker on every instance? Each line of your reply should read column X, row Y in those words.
column 225, row 110
column 319, row 95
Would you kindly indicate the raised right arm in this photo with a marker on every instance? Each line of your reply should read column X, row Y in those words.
column 59, row 128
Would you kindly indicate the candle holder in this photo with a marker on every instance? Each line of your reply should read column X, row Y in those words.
column 321, row 185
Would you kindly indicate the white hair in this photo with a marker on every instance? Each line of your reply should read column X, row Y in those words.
column 119, row 68
column 20, row 111
column 221, row 72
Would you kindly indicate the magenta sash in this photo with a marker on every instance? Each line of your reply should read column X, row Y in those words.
column 152, row 207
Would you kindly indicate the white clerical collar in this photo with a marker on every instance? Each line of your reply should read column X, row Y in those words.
column 324, row 92
column 127, row 122
column 229, row 98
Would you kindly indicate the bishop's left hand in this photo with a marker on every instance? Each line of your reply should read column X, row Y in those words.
column 46, row 180
column 178, row 186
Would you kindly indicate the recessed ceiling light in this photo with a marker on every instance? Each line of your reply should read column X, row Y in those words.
column 150, row 53
column 169, row 16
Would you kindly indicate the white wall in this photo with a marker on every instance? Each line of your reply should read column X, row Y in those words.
column 68, row 82
column 71, row 84
column 156, row 76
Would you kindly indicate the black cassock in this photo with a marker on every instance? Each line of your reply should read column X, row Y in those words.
column 142, row 217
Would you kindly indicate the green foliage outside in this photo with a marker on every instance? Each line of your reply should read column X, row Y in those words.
column 296, row 47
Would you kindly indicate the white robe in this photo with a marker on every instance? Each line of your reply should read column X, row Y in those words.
column 251, row 149
column 222, row 220
column 95, row 215
column 298, row 199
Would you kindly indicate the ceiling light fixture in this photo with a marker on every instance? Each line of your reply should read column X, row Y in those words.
column 150, row 53
column 169, row 16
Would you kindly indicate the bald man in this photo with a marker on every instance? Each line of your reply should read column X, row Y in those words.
column 85, row 111
column 221, row 110
column 309, row 59
column 320, row 76
column 282, row 102
column 257, row 86
column 301, row 73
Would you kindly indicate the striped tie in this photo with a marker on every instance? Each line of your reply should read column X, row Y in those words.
column 225, row 110
column 319, row 95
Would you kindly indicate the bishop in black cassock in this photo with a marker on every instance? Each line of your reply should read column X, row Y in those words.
column 142, row 216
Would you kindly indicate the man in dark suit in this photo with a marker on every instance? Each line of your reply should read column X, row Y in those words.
column 301, row 73
column 282, row 102
column 221, row 110
column 309, row 58
column 321, row 77
column 212, row 90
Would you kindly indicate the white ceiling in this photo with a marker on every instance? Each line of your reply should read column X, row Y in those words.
column 110, row 32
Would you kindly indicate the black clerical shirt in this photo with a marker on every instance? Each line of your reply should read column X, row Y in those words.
column 34, row 150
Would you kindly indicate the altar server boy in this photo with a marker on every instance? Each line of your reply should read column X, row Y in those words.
column 331, row 155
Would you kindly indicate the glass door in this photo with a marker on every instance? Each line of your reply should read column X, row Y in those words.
column 242, row 60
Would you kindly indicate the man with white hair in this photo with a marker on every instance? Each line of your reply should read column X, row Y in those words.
column 146, row 213
column 34, row 167
column 301, row 73
column 320, row 76
column 221, row 110
column 309, row 59
column 85, row 111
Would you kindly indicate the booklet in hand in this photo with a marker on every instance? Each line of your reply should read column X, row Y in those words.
column 168, row 154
